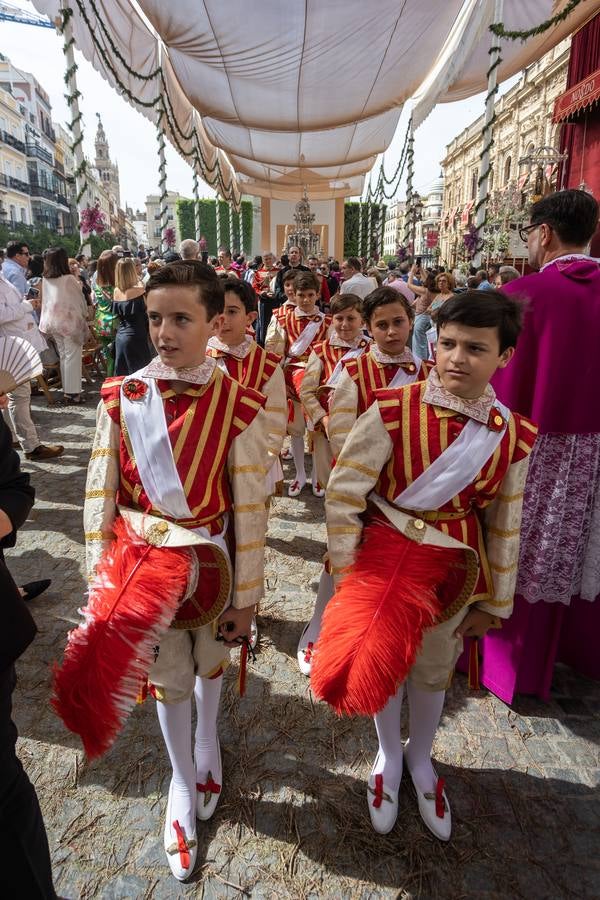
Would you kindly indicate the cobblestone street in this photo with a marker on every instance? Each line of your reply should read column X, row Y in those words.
column 293, row 820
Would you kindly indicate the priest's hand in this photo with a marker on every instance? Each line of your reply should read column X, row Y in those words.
column 476, row 623
column 240, row 619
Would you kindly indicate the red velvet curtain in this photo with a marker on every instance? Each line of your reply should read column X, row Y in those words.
column 581, row 139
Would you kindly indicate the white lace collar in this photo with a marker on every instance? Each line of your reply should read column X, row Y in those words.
column 478, row 409
column 239, row 352
column 198, row 375
column 360, row 341
column 384, row 359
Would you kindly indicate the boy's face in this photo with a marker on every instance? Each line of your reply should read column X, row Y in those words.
column 467, row 357
column 305, row 300
column 290, row 294
column 348, row 324
column 235, row 320
column 179, row 328
column 390, row 327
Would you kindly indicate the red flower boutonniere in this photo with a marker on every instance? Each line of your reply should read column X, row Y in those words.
column 496, row 420
column 134, row 389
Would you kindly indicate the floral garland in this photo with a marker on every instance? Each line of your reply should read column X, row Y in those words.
column 169, row 237
column 92, row 220
column 472, row 241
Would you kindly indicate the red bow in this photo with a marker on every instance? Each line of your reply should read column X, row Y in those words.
column 184, row 853
column 308, row 653
column 211, row 787
column 440, row 803
column 378, row 791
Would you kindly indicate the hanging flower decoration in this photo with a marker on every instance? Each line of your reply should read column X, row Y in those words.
column 169, row 237
column 471, row 241
column 92, row 220
column 401, row 253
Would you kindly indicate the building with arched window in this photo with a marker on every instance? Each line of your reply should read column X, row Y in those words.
column 523, row 124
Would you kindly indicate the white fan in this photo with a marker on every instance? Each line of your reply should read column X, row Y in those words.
column 19, row 363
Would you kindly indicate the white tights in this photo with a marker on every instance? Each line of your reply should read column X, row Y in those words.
column 425, row 710
column 324, row 595
column 207, row 692
column 297, row 448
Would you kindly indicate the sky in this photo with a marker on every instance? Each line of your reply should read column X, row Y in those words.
column 132, row 138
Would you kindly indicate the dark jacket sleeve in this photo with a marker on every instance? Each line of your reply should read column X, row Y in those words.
column 16, row 494
column 16, row 499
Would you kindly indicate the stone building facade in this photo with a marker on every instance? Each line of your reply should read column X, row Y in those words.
column 523, row 126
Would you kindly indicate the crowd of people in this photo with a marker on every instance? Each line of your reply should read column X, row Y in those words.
column 459, row 464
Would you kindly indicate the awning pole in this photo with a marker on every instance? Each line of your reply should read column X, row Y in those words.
column 218, row 223
column 81, row 182
column 196, row 206
column 231, row 231
column 410, row 162
column 488, row 136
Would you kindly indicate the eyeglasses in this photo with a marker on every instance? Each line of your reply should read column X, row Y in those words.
column 524, row 232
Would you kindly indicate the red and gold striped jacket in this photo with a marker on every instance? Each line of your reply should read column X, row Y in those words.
column 420, row 432
column 202, row 423
column 285, row 327
column 369, row 375
column 251, row 371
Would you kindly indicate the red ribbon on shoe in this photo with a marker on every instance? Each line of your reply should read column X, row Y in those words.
column 308, row 653
column 378, row 791
column 184, row 853
column 440, row 803
column 211, row 787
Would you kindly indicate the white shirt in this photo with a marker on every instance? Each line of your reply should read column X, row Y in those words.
column 16, row 316
column 359, row 284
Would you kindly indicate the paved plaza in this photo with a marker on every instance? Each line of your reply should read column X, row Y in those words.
column 293, row 820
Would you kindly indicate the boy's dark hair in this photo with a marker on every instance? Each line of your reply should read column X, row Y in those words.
column 572, row 214
column 242, row 290
column 354, row 262
column 307, row 281
column 191, row 273
column 290, row 275
column 346, row 301
column 14, row 247
column 36, row 266
column 485, row 309
column 383, row 296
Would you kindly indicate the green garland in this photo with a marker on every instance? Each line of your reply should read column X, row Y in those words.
column 500, row 31
column 81, row 170
column 352, row 219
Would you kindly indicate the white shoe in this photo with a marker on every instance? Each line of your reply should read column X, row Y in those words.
column 296, row 488
column 253, row 633
column 208, row 793
column 304, row 654
column 435, row 809
column 317, row 490
column 181, row 848
column 383, row 804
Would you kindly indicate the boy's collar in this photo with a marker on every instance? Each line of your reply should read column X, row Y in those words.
column 479, row 409
column 315, row 312
column 240, row 351
column 384, row 359
column 197, row 375
column 336, row 341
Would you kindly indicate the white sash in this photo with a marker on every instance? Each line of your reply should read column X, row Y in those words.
column 403, row 377
column 455, row 468
column 305, row 339
column 351, row 354
column 147, row 428
column 432, row 335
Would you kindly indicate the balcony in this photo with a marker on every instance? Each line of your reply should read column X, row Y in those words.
column 12, row 141
column 41, row 190
column 15, row 184
column 37, row 152
column 59, row 167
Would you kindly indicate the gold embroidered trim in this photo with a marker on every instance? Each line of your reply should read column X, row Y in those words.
column 344, row 529
column 254, row 545
column 345, row 498
column 510, row 498
column 248, row 507
column 103, row 451
column 99, row 535
column 500, row 532
column 351, row 464
column 101, row 492
column 239, row 470
column 249, row 585
column 503, row 569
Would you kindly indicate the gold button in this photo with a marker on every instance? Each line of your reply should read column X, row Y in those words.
column 412, row 368
column 498, row 420
column 162, row 527
column 419, row 524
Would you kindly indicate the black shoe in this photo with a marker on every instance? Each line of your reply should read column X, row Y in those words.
column 35, row 588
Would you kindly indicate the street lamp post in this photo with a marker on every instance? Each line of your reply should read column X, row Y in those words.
column 416, row 212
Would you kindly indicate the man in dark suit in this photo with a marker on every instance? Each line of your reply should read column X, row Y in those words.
column 25, row 869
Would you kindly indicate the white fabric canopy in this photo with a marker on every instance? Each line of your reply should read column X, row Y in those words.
column 268, row 97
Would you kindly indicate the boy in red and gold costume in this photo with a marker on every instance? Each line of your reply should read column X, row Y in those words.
column 324, row 367
column 175, row 524
column 292, row 333
column 388, row 363
column 423, row 519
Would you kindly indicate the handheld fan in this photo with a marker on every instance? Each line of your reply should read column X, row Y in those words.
column 19, row 363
